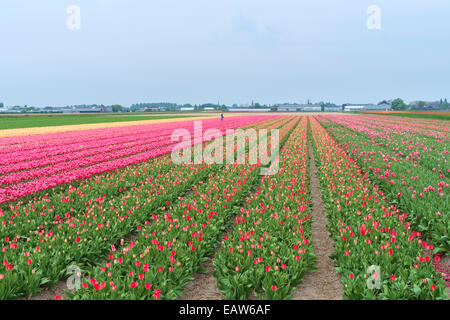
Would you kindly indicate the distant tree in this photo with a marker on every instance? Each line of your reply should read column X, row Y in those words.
column 398, row 104
column 421, row 105
column 1, row 105
column 116, row 108
column 134, row 108
column 27, row 109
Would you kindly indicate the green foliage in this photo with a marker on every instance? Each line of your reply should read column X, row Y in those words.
column 398, row 104
column 117, row 108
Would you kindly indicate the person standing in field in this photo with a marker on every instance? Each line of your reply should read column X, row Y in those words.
column 221, row 117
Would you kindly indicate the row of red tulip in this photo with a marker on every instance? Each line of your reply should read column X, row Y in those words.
column 269, row 249
column 412, row 169
column 377, row 254
column 169, row 249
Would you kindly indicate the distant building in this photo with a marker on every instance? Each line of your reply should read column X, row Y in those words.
column 333, row 109
column 312, row 108
column 187, row 109
column 299, row 107
column 366, row 107
column 425, row 105
column 15, row 109
column 289, row 107
column 150, row 109
column 248, row 109
column 81, row 109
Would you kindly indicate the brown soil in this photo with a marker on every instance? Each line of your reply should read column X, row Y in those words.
column 445, row 262
column 49, row 293
column 324, row 283
column 61, row 286
column 204, row 285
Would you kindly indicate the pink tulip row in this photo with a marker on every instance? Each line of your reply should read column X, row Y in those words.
column 371, row 124
column 86, row 151
column 402, row 142
column 49, row 143
column 27, row 142
column 425, row 124
column 64, row 172
column 78, row 163
column 42, row 146
column 24, row 160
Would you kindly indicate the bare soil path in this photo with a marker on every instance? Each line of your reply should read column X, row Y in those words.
column 50, row 293
column 445, row 263
column 324, row 283
column 204, row 285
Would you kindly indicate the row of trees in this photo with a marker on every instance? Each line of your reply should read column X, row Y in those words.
column 166, row 106
column 118, row 108
column 144, row 105
column 398, row 104
column 444, row 103
column 22, row 109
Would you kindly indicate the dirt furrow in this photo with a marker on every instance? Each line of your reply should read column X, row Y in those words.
column 204, row 285
column 324, row 283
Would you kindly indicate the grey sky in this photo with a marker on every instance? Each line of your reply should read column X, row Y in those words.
column 231, row 51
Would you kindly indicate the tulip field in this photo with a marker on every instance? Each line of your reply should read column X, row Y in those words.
column 108, row 211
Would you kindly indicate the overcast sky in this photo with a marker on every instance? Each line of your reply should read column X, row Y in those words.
column 231, row 51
